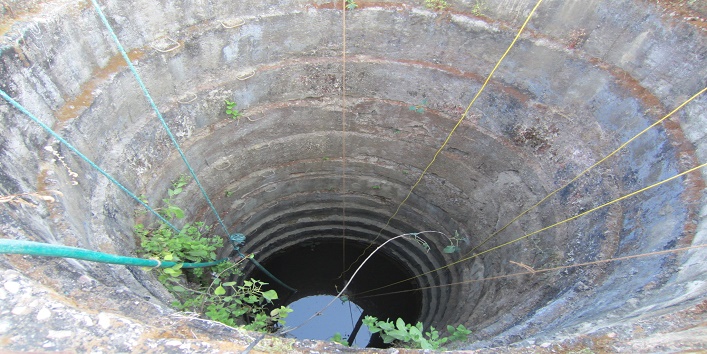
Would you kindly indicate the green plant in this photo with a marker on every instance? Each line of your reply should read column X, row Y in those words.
column 478, row 8
column 351, row 4
column 231, row 110
column 204, row 292
column 170, row 211
column 229, row 301
column 376, row 187
column 337, row 338
column 453, row 243
column 436, row 4
column 405, row 334
column 229, row 193
column 420, row 108
column 189, row 245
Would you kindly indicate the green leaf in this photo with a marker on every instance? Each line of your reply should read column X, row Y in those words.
column 450, row 249
column 415, row 332
column 400, row 324
column 230, row 283
column 401, row 335
column 198, row 253
column 178, row 289
column 270, row 295
column 220, row 290
column 424, row 344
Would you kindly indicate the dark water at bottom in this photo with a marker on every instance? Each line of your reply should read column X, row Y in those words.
column 339, row 317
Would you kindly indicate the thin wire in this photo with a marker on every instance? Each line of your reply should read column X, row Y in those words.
column 449, row 136
column 414, row 234
column 545, row 228
column 83, row 157
column 343, row 139
column 545, row 270
column 587, row 170
column 157, row 111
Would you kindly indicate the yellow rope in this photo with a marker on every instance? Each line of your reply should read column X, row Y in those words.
column 459, row 122
column 545, row 228
column 544, row 270
column 586, row 170
column 343, row 138
column 449, row 136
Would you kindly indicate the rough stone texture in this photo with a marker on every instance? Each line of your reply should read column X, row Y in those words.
column 585, row 77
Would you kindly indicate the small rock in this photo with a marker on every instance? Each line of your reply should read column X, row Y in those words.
column 48, row 345
column 3, row 294
column 34, row 303
column 185, row 346
column 5, row 326
column 86, row 283
column 11, row 275
column 44, row 314
column 545, row 345
column 88, row 321
column 21, row 310
column 611, row 335
column 12, row 287
column 173, row 343
column 582, row 287
column 103, row 320
column 59, row 334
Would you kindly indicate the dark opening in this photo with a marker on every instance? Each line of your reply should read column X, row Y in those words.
column 314, row 266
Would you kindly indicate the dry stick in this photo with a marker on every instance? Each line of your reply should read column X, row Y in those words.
column 536, row 271
column 414, row 234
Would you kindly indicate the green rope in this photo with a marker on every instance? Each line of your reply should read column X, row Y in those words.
column 49, row 250
column 77, row 152
column 159, row 115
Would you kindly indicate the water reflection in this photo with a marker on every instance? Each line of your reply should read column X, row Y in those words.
column 340, row 317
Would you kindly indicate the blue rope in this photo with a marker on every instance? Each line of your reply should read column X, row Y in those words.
column 77, row 152
column 154, row 107
column 236, row 239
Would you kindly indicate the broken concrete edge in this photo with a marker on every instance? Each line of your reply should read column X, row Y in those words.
column 65, row 325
